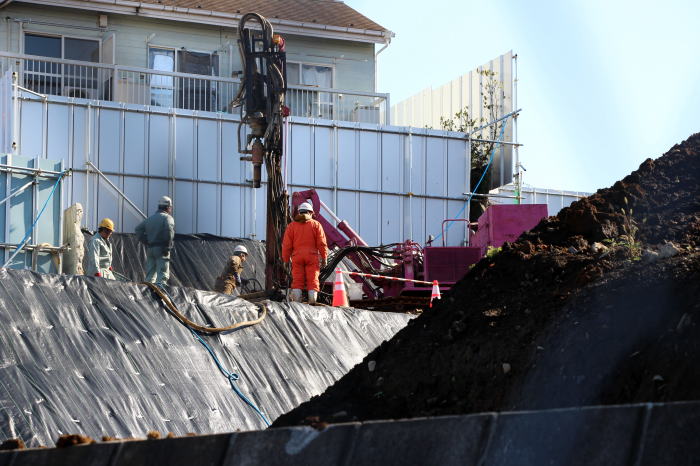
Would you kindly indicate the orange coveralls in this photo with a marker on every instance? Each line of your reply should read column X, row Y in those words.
column 305, row 243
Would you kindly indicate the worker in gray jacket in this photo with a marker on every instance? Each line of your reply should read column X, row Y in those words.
column 157, row 233
column 98, row 256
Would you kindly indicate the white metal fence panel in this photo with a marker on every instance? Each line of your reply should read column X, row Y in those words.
column 390, row 183
column 429, row 106
column 555, row 199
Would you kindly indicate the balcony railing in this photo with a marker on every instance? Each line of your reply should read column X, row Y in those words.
column 142, row 86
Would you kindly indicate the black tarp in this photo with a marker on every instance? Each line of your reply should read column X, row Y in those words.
column 195, row 262
column 101, row 357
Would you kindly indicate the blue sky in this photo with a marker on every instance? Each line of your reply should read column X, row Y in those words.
column 603, row 84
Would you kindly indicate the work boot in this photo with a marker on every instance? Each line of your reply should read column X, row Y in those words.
column 295, row 296
column 312, row 296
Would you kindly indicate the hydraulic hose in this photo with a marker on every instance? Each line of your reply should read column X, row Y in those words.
column 200, row 328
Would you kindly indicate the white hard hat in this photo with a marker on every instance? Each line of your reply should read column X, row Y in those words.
column 240, row 249
column 305, row 207
column 165, row 201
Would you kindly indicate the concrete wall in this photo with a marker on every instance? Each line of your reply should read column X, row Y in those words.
column 651, row 434
column 353, row 61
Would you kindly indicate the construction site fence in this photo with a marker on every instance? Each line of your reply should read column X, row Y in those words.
column 168, row 89
column 25, row 186
column 391, row 183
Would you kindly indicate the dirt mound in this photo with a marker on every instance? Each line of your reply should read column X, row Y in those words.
column 597, row 305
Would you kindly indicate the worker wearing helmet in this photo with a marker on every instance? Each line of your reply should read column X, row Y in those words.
column 305, row 244
column 157, row 233
column 99, row 252
column 230, row 279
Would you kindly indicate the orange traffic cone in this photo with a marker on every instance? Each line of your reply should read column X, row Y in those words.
column 340, row 297
column 435, row 293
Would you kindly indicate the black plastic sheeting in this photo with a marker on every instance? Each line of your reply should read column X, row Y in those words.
column 195, row 262
column 100, row 357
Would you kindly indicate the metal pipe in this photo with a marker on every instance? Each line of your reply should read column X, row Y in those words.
column 113, row 186
column 518, row 166
column 31, row 247
column 376, row 62
column 16, row 192
column 247, row 185
column 15, row 113
column 490, row 195
column 497, row 142
column 466, row 220
column 330, row 212
column 24, row 89
column 496, row 121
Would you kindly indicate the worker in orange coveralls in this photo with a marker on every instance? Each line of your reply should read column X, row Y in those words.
column 305, row 244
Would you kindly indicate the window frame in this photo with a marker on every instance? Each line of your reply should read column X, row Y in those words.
column 177, row 90
column 177, row 60
column 63, row 42
column 325, row 65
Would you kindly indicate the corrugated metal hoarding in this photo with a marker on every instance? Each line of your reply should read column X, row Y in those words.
column 427, row 107
column 555, row 199
column 390, row 183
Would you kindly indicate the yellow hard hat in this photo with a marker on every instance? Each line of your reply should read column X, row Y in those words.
column 107, row 223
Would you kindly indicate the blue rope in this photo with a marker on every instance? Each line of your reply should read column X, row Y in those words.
column 486, row 169
column 231, row 376
column 29, row 232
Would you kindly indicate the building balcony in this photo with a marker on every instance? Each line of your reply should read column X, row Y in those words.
column 143, row 86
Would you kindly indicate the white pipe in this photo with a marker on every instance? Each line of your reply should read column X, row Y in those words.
column 112, row 185
column 330, row 212
column 16, row 192
column 376, row 63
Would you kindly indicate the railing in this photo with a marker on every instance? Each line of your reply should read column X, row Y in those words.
column 142, row 86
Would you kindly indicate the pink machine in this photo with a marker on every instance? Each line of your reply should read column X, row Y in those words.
column 446, row 264
column 501, row 223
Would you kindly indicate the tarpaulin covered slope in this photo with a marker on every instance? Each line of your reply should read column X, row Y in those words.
column 100, row 357
column 195, row 262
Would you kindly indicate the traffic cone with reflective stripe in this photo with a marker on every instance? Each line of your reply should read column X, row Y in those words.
column 435, row 293
column 340, row 297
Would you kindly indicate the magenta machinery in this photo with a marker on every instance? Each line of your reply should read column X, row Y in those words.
column 409, row 260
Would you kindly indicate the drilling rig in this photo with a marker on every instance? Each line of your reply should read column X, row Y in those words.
column 261, row 100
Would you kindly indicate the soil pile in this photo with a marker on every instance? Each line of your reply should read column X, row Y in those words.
column 598, row 305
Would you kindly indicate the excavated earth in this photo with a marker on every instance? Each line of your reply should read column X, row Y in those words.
column 597, row 305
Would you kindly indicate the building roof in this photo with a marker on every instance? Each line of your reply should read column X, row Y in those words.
column 319, row 18
column 328, row 12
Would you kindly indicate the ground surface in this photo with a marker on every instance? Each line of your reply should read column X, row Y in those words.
column 598, row 305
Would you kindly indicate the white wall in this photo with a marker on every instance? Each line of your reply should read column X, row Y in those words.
column 390, row 183
column 556, row 199
column 427, row 107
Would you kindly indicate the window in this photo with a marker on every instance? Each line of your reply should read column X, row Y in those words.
column 53, row 77
column 183, row 92
column 197, row 93
column 161, row 85
column 310, row 103
column 81, row 49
